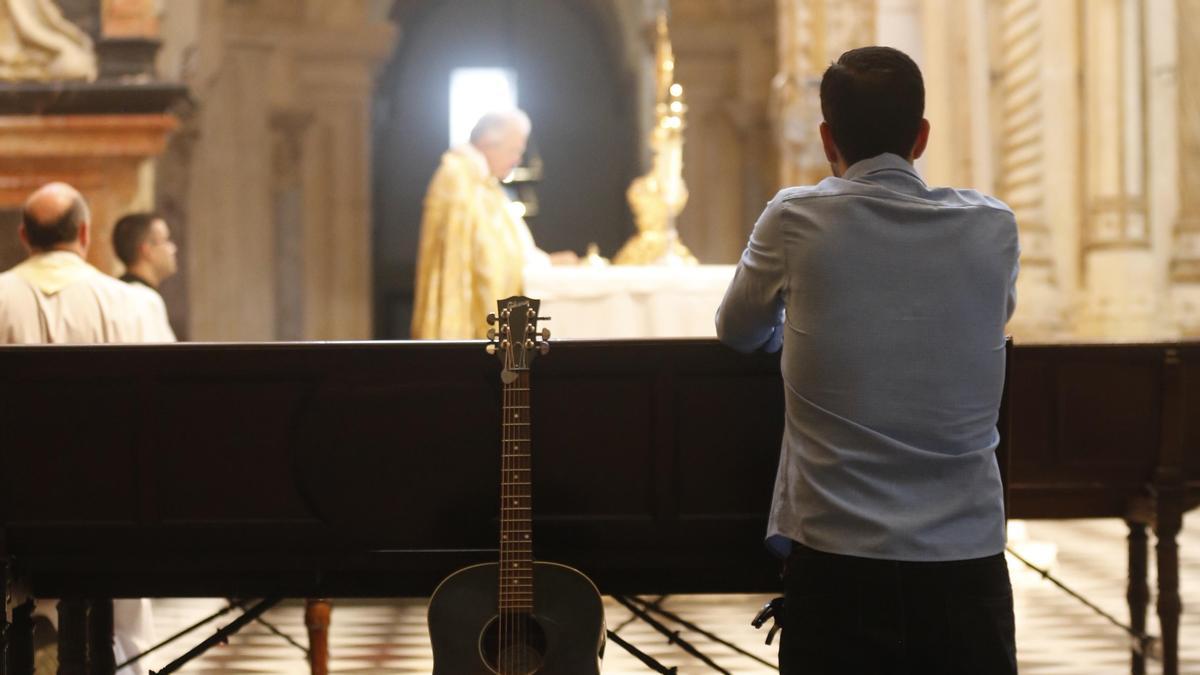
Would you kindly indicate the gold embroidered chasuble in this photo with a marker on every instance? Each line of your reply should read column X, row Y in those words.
column 472, row 252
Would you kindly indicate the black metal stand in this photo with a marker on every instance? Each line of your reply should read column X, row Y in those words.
column 220, row 636
column 136, row 657
column 20, row 640
column 641, row 655
column 1142, row 643
column 672, row 636
column 671, row 616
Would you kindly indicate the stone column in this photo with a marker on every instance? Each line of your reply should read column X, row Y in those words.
column 1185, row 259
column 230, row 241
column 1035, row 130
column 279, row 225
column 812, row 34
column 899, row 24
column 725, row 58
column 957, row 85
column 288, row 131
column 1121, row 293
column 336, row 78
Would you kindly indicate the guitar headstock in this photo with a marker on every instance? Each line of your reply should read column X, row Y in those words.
column 515, row 337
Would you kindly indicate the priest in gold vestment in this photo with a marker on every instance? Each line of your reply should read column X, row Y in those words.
column 473, row 247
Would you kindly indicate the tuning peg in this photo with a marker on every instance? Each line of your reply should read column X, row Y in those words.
column 545, row 333
column 491, row 319
column 504, row 344
column 491, row 333
column 491, row 349
column 529, row 344
column 543, row 348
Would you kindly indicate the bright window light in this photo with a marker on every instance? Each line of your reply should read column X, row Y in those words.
column 475, row 91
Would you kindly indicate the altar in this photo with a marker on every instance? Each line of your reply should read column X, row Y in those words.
column 629, row 301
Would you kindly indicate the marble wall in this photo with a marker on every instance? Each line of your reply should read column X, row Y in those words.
column 1083, row 116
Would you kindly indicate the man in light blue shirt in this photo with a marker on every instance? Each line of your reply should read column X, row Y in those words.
column 889, row 299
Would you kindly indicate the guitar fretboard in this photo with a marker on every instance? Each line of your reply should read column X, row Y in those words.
column 516, row 524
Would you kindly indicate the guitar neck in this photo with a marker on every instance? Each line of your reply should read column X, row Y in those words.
column 516, row 523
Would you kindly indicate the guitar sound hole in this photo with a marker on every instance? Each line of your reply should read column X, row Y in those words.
column 523, row 648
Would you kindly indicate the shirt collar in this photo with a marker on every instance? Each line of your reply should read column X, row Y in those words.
column 131, row 278
column 884, row 162
column 53, row 271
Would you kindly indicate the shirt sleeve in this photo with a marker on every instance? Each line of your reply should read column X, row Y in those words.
column 751, row 314
column 1012, row 280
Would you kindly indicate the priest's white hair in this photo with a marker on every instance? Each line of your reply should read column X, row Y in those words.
column 494, row 124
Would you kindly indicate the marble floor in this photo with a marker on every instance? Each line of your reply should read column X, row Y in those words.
column 1056, row 635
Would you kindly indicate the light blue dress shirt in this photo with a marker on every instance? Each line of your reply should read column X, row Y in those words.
column 896, row 296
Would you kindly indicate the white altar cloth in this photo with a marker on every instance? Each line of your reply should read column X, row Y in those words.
column 629, row 301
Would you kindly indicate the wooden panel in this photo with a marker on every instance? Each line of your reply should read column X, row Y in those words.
column 61, row 435
column 371, row 468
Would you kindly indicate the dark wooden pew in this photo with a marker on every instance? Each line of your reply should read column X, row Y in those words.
column 371, row 469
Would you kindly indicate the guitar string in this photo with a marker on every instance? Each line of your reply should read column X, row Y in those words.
column 512, row 641
column 516, row 553
column 527, row 515
column 518, row 656
column 502, row 654
column 521, row 564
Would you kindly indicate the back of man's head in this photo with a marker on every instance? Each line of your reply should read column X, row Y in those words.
column 873, row 100
column 53, row 215
column 129, row 233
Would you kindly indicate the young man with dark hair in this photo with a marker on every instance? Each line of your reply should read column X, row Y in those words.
column 889, row 299
column 143, row 242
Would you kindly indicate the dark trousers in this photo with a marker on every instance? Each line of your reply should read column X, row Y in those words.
column 846, row 615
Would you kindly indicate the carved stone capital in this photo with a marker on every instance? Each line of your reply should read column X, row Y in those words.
column 1185, row 257
column 1116, row 221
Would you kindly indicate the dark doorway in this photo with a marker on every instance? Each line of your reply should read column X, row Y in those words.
column 572, row 80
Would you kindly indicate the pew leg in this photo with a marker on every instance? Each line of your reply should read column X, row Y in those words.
column 1138, row 593
column 5, row 626
column 72, row 636
column 100, row 638
column 20, row 640
column 316, row 618
column 1169, row 604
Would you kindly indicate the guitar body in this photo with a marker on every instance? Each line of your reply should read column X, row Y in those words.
column 568, row 638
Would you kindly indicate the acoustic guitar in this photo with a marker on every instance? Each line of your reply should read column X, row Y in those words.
column 487, row 618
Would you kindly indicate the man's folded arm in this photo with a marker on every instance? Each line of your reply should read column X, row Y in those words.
column 751, row 314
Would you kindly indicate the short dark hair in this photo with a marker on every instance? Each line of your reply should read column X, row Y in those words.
column 873, row 99
column 130, row 232
column 64, row 229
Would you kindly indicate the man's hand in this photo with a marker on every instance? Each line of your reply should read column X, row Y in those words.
column 564, row 258
column 775, row 342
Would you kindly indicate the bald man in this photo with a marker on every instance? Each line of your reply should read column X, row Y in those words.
column 55, row 296
column 474, row 248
